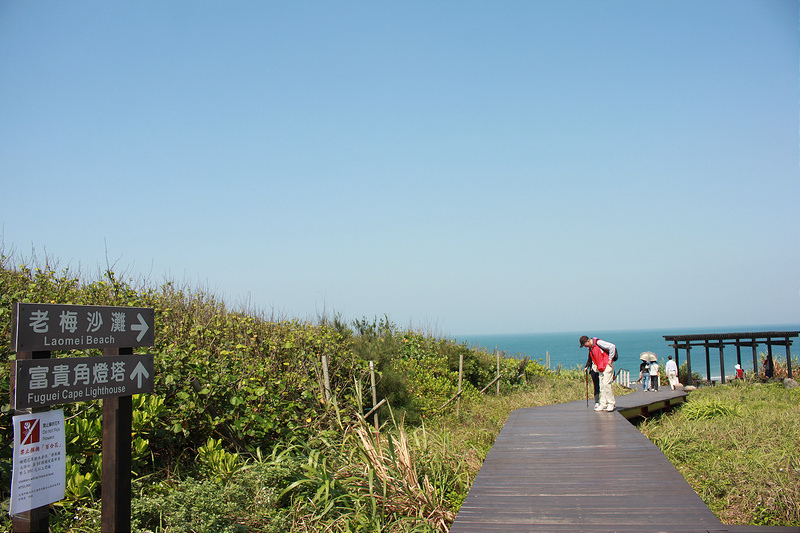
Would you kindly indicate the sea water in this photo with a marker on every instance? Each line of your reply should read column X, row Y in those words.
column 564, row 349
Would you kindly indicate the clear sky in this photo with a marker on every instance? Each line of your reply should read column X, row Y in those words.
column 464, row 167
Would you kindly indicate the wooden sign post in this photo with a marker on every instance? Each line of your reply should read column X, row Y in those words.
column 115, row 513
column 39, row 329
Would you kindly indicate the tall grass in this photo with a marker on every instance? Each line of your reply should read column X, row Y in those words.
column 739, row 447
column 409, row 479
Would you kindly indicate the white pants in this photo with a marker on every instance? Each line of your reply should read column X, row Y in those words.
column 606, row 392
column 673, row 379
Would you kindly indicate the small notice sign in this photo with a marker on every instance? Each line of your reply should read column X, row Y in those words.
column 39, row 465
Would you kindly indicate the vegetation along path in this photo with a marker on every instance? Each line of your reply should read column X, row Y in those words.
column 567, row 468
column 245, row 433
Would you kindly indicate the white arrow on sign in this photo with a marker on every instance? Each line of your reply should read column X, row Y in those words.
column 142, row 327
column 140, row 372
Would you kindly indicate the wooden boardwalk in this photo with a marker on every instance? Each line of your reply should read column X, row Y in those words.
column 567, row 468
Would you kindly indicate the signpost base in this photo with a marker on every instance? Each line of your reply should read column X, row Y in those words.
column 33, row 521
column 116, row 484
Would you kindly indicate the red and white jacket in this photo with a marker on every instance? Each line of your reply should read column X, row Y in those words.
column 601, row 353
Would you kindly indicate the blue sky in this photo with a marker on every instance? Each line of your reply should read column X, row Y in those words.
column 463, row 167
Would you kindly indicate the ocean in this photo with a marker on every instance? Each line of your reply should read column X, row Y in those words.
column 564, row 349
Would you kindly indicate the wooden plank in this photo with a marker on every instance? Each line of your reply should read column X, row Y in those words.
column 568, row 468
column 644, row 404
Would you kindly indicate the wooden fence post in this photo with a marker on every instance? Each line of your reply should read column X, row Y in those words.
column 460, row 375
column 326, row 378
column 374, row 394
column 497, row 354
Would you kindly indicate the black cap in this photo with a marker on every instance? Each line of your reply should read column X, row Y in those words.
column 583, row 340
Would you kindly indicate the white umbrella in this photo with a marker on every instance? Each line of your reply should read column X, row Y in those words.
column 648, row 356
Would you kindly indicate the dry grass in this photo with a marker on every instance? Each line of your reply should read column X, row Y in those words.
column 399, row 488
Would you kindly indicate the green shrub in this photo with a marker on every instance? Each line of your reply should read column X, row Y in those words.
column 247, row 501
column 683, row 375
column 708, row 409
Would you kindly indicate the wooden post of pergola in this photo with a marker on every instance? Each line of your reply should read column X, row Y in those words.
column 739, row 353
column 676, row 356
column 769, row 355
column 689, row 364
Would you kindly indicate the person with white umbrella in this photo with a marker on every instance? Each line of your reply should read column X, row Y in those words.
column 644, row 370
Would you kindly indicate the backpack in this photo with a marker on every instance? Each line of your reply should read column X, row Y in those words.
column 616, row 353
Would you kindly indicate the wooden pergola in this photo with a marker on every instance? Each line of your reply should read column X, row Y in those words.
column 720, row 340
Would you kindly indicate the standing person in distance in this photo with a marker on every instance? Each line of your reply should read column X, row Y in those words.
column 644, row 375
column 602, row 354
column 654, row 376
column 672, row 373
column 769, row 367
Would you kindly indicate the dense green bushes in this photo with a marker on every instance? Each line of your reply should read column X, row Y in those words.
column 248, row 498
column 231, row 385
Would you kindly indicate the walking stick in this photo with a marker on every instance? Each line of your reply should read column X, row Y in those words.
column 586, row 375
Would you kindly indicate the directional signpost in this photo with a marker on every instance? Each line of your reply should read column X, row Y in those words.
column 43, row 382
column 38, row 381
column 80, row 327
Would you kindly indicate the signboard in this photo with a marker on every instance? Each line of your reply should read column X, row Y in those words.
column 39, row 465
column 38, row 380
column 42, row 382
column 40, row 327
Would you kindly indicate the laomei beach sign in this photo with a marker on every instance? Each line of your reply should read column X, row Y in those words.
column 52, row 327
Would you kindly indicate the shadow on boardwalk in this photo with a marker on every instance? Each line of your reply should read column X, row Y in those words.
column 565, row 467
